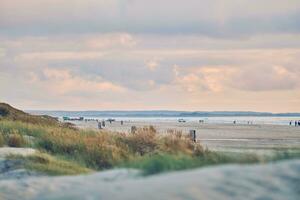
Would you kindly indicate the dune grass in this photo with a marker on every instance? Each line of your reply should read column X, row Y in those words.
column 167, row 162
column 70, row 151
column 50, row 165
column 10, row 113
column 159, row 163
column 98, row 150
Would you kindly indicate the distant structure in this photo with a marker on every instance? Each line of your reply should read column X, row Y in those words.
column 193, row 135
column 110, row 120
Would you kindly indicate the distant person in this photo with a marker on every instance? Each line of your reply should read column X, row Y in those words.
column 122, row 122
column 234, row 122
column 103, row 123
column 99, row 125
column 299, row 123
column 295, row 123
column 290, row 123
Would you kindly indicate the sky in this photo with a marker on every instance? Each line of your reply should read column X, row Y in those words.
column 194, row 55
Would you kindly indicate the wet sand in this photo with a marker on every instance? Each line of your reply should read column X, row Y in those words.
column 224, row 137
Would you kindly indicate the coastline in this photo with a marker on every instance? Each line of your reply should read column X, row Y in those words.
column 219, row 137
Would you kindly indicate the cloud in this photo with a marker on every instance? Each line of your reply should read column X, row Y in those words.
column 61, row 55
column 249, row 78
column 266, row 78
column 121, row 54
column 63, row 82
column 215, row 18
column 204, row 78
column 152, row 65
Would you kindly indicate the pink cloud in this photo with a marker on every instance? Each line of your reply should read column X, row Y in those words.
column 62, row 81
column 248, row 78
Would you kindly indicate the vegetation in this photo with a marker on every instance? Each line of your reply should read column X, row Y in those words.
column 97, row 150
column 7, row 112
column 16, row 140
column 50, row 165
column 65, row 150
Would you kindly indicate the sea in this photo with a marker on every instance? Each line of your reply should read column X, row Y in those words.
column 174, row 116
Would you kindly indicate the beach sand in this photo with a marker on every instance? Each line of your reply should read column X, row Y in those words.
column 223, row 137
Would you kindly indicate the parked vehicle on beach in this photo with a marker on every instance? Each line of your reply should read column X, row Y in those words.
column 73, row 118
column 181, row 120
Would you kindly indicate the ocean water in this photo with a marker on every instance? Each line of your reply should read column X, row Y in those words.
column 161, row 117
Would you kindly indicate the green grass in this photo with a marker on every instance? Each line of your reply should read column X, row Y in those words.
column 50, row 165
column 165, row 162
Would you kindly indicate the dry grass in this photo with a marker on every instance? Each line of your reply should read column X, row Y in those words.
column 143, row 141
column 98, row 150
column 47, row 164
column 145, row 149
column 16, row 140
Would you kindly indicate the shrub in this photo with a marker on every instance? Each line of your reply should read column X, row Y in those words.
column 177, row 143
column 16, row 140
column 143, row 141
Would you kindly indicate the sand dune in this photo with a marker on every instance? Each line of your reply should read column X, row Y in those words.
column 271, row 181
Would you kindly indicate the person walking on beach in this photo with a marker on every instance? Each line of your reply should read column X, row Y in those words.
column 295, row 123
column 299, row 123
column 290, row 123
column 99, row 125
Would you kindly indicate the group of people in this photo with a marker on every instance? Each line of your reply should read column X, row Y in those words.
column 101, row 124
column 297, row 123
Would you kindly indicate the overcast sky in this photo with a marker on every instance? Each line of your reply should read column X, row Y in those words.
column 148, row 55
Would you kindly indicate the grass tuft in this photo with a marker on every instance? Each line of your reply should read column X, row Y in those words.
column 16, row 140
column 47, row 164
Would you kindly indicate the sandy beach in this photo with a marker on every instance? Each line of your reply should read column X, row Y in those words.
column 223, row 137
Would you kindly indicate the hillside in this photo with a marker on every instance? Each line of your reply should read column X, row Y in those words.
column 8, row 112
